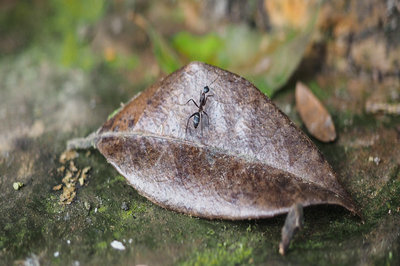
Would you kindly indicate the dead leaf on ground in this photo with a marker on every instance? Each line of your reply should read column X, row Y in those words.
column 67, row 156
column 61, row 169
column 71, row 177
column 57, row 187
column 72, row 166
column 249, row 161
column 68, row 195
column 314, row 115
column 84, row 174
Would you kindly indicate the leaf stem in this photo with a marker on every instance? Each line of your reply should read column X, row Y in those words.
column 83, row 143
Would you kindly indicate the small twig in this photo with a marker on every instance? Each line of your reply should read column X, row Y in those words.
column 293, row 222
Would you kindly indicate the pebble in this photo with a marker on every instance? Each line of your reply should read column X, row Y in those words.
column 17, row 185
column 117, row 245
column 124, row 206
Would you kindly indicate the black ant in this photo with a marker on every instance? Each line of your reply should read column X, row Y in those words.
column 197, row 116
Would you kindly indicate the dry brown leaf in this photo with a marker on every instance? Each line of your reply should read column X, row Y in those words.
column 314, row 115
column 248, row 161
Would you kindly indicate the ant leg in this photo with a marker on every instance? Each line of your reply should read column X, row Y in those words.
column 205, row 100
column 201, row 124
column 193, row 102
column 208, row 119
column 187, row 124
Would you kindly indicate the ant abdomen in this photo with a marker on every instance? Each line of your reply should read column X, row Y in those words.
column 196, row 120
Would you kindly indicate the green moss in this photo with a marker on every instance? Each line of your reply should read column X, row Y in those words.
column 127, row 215
column 312, row 244
column 102, row 209
column 117, row 235
column 117, row 178
column 223, row 254
column 52, row 203
column 135, row 209
column 101, row 245
column 387, row 197
column 8, row 226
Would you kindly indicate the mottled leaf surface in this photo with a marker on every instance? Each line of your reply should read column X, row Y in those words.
column 249, row 161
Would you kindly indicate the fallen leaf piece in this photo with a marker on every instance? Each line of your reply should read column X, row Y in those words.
column 61, row 169
column 245, row 160
column 314, row 115
column 71, row 177
column 67, row 156
column 83, row 176
column 294, row 221
column 67, row 178
column 72, row 166
column 69, row 188
column 68, row 195
column 57, row 187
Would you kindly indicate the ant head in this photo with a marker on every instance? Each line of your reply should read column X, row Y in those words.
column 206, row 89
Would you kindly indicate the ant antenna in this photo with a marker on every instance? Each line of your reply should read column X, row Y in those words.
column 213, row 80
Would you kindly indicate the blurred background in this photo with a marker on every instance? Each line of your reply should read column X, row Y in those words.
column 65, row 65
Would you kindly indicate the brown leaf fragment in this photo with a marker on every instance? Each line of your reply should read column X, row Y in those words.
column 314, row 115
column 69, row 192
column 57, row 187
column 71, row 177
column 245, row 159
column 83, row 176
column 294, row 221
column 61, row 169
column 76, row 177
column 67, row 156
column 68, row 195
column 67, row 177
column 72, row 166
